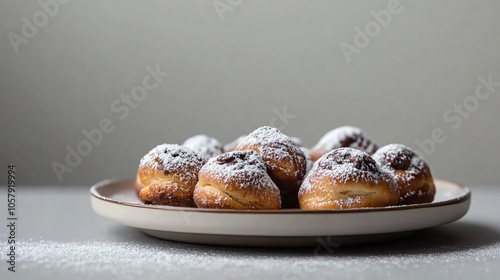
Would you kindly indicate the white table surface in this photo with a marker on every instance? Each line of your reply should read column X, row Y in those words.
column 60, row 237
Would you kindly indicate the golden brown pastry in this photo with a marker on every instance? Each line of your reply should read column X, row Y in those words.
column 344, row 136
column 167, row 175
column 285, row 161
column 412, row 174
column 236, row 180
column 347, row 178
column 205, row 146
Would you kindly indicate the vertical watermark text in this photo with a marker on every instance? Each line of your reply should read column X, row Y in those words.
column 11, row 217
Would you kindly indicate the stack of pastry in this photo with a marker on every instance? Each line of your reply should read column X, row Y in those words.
column 268, row 170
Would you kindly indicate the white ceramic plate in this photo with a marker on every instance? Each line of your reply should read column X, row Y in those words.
column 117, row 200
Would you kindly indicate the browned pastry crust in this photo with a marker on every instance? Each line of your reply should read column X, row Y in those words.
column 167, row 175
column 412, row 174
column 347, row 178
column 285, row 162
column 344, row 136
column 236, row 180
column 138, row 185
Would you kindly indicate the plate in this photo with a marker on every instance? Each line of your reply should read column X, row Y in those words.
column 117, row 200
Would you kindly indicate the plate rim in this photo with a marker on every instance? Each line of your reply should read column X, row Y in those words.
column 94, row 192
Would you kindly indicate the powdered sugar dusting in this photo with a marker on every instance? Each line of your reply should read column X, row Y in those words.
column 346, row 136
column 157, row 259
column 345, row 165
column 394, row 157
column 276, row 145
column 246, row 167
column 172, row 158
column 205, row 146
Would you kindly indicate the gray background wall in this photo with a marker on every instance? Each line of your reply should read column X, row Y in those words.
column 230, row 74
